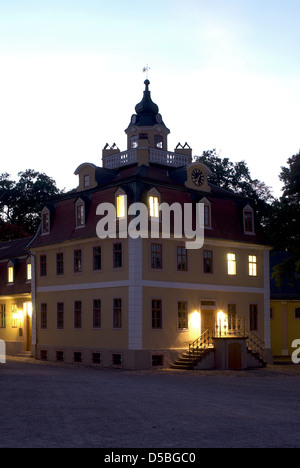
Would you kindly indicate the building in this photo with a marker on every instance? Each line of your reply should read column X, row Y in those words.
column 15, row 296
column 140, row 302
column 285, row 308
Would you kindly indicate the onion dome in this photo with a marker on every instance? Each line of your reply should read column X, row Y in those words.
column 147, row 112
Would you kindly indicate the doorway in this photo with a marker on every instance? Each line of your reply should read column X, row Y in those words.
column 235, row 356
column 208, row 321
column 27, row 310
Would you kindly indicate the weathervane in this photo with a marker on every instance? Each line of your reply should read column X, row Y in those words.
column 146, row 70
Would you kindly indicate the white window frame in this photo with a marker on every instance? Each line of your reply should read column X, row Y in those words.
column 80, row 204
column 207, row 204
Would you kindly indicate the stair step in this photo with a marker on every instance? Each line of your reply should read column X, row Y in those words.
column 181, row 366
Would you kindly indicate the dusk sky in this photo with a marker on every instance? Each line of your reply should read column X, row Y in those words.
column 224, row 73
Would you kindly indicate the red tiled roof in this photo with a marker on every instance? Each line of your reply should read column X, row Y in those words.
column 227, row 208
column 17, row 250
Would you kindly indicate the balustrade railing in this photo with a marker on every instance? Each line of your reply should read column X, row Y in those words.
column 166, row 158
column 222, row 329
column 200, row 344
column 121, row 159
column 169, row 158
column 255, row 344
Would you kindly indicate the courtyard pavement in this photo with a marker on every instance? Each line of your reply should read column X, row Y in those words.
column 57, row 405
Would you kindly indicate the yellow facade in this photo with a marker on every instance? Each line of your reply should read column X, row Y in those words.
column 151, row 297
column 193, row 287
column 285, row 326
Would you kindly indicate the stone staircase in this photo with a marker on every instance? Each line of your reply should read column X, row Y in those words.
column 189, row 362
column 202, row 353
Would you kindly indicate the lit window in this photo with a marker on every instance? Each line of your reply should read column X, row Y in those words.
column 154, row 207
column 120, row 206
column 15, row 316
column 252, row 265
column 231, row 263
column 2, row 316
column 29, row 272
column 10, row 274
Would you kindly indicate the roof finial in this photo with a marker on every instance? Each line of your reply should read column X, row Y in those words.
column 146, row 70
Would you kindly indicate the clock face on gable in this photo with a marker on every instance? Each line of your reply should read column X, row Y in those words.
column 197, row 177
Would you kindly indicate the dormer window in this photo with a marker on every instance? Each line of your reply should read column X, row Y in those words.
column 28, row 269
column 120, row 203
column 248, row 220
column 87, row 181
column 79, row 215
column 207, row 212
column 120, row 206
column 153, row 203
column 154, row 206
column 45, row 221
column 10, row 274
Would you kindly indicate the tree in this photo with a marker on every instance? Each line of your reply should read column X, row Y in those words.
column 22, row 201
column 236, row 178
column 284, row 224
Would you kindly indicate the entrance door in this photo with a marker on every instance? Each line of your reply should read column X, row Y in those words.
column 235, row 356
column 208, row 321
column 27, row 309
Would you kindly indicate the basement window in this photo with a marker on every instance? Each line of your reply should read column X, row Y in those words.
column 157, row 360
column 117, row 359
column 44, row 355
column 96, row 358
column 59, row 356
column 77, row 357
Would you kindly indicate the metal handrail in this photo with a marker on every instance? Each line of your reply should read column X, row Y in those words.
column 255, row 344
column 199, row 345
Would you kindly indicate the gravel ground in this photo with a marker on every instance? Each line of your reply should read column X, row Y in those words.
column 59, row 405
